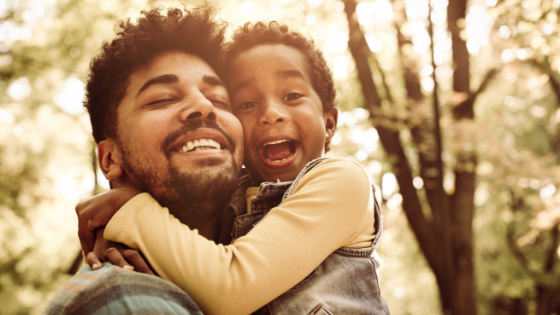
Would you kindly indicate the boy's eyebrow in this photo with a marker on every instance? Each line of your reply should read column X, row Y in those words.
column 288, row 74
column 162, row 79
column 284, row 74
column 241, row 85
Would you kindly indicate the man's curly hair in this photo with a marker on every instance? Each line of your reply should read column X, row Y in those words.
column 261, row 33
column 193, row 31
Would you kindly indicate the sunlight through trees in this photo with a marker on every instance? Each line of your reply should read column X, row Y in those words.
column 498, row 89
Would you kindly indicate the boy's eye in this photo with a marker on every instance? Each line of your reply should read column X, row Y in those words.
column 292, row 96
column 247, row 105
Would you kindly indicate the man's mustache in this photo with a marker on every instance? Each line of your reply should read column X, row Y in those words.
column 193, row 125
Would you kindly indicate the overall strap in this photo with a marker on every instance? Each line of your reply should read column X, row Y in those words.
column 309, row 166
column 378, row 222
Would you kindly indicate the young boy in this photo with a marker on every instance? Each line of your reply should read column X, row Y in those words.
column 305, row 244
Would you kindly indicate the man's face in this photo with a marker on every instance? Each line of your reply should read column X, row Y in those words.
column 176, row 132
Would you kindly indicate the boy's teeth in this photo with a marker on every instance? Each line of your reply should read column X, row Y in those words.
column 199, row 145
column 276, row 160
column 276, row 142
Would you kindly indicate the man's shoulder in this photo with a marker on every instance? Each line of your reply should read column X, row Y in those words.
column 113, row 289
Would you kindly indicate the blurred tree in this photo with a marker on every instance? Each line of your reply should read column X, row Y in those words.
column 462, row 293
column 457, row 286
column 527, row 168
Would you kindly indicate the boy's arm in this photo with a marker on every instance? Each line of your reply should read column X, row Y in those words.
column 331, row 208
column 96, row 211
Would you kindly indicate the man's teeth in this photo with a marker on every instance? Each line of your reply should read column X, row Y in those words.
column 276, row 142
column 200, row 145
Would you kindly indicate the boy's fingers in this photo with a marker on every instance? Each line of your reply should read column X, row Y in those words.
column 116, row 258
column 86, row 249
column 85, row 232
column 97, row 211
column 93, row 261
column 137, row 261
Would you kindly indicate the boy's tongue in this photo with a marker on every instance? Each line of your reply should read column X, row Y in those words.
column 279, row 151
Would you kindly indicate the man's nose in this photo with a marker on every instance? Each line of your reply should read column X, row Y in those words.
column 197, row 106
column 272, row 112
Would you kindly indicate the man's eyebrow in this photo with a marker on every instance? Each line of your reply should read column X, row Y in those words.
column 213, row 80
column 162, row 79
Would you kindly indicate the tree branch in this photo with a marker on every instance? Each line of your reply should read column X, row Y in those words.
column 465, row 109
column 545, row 67
column 421, row 130
column 485, row 82
column 389, row 138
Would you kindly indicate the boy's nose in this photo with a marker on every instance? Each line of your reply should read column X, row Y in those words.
column 272, row 114
column 197, row 106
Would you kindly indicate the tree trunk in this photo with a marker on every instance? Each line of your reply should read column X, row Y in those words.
column 461, row 210
column 548, row 301
column 462, row 201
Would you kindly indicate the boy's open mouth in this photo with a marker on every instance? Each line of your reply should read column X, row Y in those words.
column 279, row 152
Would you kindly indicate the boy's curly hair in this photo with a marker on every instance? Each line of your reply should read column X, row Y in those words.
column 193, row 31
column 261, row 33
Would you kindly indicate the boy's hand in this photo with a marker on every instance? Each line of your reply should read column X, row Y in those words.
column 96, row 211
column 118, row 254
column 128, row 258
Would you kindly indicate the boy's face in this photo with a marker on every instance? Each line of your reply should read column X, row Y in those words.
column 282, row 116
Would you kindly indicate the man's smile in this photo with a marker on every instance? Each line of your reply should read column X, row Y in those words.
column 202, row 141
column 200, row 145
column 198, row 138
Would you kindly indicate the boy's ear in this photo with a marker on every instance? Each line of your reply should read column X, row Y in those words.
column 331, row 119
column 110, row 160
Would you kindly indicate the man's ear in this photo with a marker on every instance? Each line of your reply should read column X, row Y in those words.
column 331, row 119
column 109, row 158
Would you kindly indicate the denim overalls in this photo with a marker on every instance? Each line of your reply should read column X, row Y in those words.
column 344, row 283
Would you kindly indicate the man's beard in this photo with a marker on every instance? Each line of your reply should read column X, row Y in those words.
column 194, row 196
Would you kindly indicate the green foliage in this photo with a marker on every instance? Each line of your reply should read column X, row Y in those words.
column 515, row 225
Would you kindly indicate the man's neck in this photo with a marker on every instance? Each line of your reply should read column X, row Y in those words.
column 202, row 218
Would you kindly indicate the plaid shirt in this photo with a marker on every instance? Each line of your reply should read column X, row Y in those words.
column 112, row 290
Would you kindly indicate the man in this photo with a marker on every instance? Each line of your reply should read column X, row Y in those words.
column 162, row 120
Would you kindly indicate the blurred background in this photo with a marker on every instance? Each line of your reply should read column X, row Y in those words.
column 455, row 117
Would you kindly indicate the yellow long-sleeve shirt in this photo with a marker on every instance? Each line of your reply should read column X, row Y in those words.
column 331, row 207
